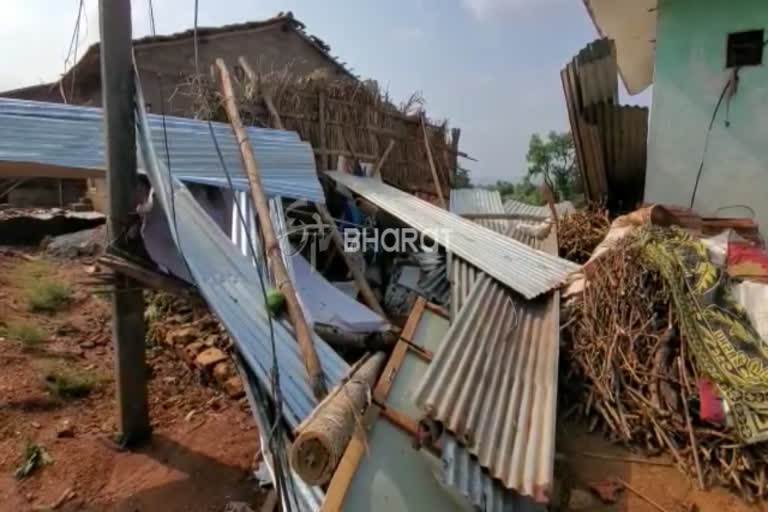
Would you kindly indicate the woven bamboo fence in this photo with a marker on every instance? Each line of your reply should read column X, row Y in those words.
column 340, row 117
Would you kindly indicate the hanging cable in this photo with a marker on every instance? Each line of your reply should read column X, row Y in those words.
column 275, row 436
column 732, row 81
column 71, row 57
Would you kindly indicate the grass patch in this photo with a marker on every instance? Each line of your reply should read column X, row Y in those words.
column 26, row 333
column 48, row 296
column 70, row 384
column 33, row 457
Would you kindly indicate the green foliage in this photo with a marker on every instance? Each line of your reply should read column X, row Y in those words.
column 70, row 384
column 462, row 179
column 26, row 333
column 554, row 161
column 505, row 188
column 48, row 296
column 33, row 457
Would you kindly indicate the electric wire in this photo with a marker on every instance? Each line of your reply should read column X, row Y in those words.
column 275, row 437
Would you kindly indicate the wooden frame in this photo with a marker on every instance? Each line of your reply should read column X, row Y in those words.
column 350, row 461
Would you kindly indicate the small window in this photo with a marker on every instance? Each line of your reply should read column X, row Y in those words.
column 745, row 49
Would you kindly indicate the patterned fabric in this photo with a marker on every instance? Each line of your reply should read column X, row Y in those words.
column 725, row 345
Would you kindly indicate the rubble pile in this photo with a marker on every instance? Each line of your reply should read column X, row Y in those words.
column 186, row 326
column 632, row 373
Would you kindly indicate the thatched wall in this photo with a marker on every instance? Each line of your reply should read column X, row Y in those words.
column 340, row 117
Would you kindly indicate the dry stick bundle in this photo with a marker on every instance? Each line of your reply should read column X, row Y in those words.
column 637, row 381
column 324, row 436
column 581, row 231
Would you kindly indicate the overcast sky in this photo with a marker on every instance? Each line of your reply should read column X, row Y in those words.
column 491, row 67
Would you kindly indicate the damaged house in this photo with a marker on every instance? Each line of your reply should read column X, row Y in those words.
column 706, row 62
column 276, row 44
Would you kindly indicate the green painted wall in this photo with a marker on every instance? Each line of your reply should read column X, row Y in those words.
column 689, row 76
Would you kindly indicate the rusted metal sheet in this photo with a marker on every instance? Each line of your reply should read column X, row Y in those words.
column 493, row 385
column 610, row 140
column 462, row 473
column 526, row 270
column 493, row 382
column 623, row 131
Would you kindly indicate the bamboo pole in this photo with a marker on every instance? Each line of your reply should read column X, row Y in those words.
column 357, row 274
column 432, row 163
column 380, row 163
column 274, row 256
column 251, row 74
column 323, row 437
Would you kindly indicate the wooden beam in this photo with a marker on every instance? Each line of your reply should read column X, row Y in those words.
column 380, row 163
column 432, row 163
column 118, row 90
column 274, row 256
column 144, row 275
column 357, row 274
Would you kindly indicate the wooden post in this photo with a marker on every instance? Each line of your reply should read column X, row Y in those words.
column 455, row 134
column 127, row 301
column 380, row 163
column 267, row 97
column 274, row 256
column 432, row 163
column 325, row 159
column 357, row 274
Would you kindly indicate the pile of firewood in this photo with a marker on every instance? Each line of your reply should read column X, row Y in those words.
column 579, row 233
column 634, row 378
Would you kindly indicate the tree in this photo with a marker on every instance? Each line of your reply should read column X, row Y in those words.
column 554, row 160
column 505, row 188
column 462, row 179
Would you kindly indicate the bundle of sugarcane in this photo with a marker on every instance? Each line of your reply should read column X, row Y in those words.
column 634, row 376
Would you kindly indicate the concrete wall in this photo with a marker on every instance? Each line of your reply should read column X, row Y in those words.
column 690, row 74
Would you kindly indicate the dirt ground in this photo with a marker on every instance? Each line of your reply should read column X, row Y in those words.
column 663, row 484
column 203, row 444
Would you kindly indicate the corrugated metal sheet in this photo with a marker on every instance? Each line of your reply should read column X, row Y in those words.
column 610, row 139
column 229, row 282
column 479, row 200
column 528, row 271
column 463, row 279
column 297, row 495
column 493, row 384
column 64, row 138
column 535, row 212
column 623, row 133
column 462, row 473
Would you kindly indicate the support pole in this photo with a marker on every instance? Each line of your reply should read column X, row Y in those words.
column 120, row 136
column 357, row 274
column 432, row 167
column 274, row 256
